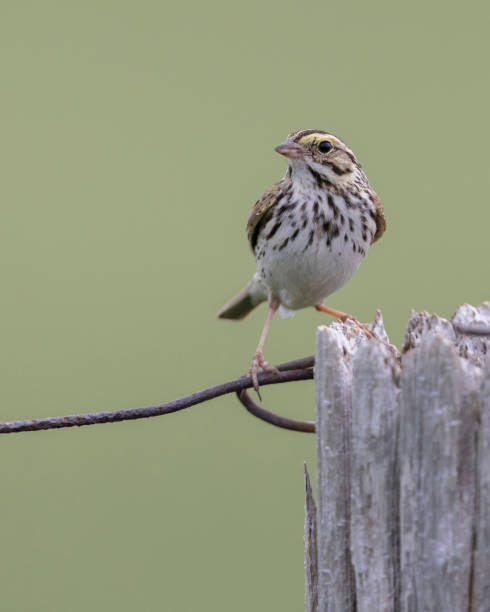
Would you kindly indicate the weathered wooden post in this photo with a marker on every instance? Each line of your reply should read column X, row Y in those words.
column 402, row 520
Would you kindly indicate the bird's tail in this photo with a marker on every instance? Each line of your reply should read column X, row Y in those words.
column 244, row 302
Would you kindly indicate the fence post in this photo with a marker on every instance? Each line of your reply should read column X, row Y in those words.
column 403, row 482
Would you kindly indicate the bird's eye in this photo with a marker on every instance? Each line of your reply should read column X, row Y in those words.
column 325, row 146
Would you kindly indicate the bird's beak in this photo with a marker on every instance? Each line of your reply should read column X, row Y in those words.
column 290, row 149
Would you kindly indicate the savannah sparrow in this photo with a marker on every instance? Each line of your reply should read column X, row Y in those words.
column 308, row 232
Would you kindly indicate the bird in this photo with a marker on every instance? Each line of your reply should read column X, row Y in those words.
column 309, row 233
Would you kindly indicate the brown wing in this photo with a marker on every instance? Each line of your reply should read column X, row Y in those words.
column 263, row 208
column 380, row 217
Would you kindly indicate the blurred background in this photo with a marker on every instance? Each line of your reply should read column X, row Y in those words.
column 135, row 136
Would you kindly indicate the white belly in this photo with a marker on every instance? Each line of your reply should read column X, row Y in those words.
column 304, row 279
column 308, row 268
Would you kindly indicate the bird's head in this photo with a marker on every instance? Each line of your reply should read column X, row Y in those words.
column 319, row 154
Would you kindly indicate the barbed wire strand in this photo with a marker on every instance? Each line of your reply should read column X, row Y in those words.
column 299, row 369
column 271, row 417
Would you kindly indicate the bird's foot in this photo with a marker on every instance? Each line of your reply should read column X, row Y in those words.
column 369, row 333
column 344, row 316
column 258, row 362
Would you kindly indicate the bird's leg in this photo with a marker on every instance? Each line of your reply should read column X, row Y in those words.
column 343, row 316
column 258, row 360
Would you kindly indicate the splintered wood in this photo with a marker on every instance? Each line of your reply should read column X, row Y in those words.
column 403, row 485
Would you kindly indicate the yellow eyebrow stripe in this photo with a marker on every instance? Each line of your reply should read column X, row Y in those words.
column 317, row 138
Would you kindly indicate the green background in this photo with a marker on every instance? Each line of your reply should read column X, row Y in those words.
column 135, row 136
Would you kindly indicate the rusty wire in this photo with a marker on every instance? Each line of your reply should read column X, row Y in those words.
column 299, row 369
